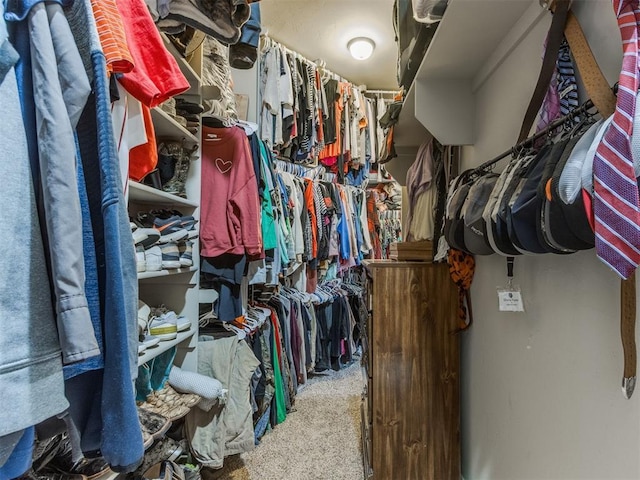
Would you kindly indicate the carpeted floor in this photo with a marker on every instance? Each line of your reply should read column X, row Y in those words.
column 320, row 440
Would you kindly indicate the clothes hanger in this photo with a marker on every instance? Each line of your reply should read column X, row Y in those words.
column 213, row 122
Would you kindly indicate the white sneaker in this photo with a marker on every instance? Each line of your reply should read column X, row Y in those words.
column 143, row 316
column 150, row 341
column 145, row 236
column 141, row 259
column 154, row 259
column 162, row 329
column 170, row 255
column 181, row 322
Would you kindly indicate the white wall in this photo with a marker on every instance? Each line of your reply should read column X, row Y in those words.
column 245, row 82
column 541, row 391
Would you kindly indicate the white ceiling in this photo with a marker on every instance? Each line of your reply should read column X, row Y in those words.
column 320, row 29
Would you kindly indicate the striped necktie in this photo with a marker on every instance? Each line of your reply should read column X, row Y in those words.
column 615, row 204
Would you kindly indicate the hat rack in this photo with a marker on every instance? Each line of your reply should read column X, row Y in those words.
column 513, row 151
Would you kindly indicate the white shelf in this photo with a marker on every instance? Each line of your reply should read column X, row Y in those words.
column 190, row 74
column 471, row 42
column 140, row 193
column 165, row 126
column 162, row 347
column 166, row 273
column 409, row 131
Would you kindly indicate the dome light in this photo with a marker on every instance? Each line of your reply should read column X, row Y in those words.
column 361, row 48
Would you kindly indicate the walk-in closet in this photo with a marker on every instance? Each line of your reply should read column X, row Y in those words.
column 294, row 240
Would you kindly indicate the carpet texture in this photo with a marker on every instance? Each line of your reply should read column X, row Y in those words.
column 319, row 440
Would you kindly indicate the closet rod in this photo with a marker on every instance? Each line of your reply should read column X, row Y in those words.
column 552, row 126
column 383, row 92
column 302, row 57
column 528, row 141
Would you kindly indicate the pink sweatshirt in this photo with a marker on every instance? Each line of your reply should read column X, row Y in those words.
column 230, row 207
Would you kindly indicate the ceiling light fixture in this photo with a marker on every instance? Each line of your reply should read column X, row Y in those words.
column 361, row 48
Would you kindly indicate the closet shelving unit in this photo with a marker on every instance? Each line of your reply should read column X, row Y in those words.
column 165, row 126
column 481, row 35
column 187, row 68
column 177, row 289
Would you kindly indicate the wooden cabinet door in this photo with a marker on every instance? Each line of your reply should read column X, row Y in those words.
column 415, row 373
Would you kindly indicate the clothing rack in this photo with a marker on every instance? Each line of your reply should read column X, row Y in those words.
column 314, row 173
column 271, row 42
column 391, row 93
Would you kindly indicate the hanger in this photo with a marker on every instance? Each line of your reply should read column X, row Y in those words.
column 213, row 122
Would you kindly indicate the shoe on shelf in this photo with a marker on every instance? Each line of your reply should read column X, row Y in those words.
column 146, row 236
column 170, row 229
column 158, row 403
column 150, row 341
column 188, row 222
column 169, row 396
column 154, row 259
column 144, row 312
column 177, row 184
column 141, row 259
column 186, row 253
column 189, row 107
column 153, row 426
column 170, row 255
column 162, row 329
column 182, row 323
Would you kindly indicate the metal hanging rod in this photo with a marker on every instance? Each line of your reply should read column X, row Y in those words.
column 383, row 92
column 318, row 63
column 528, row 141
column 582, row 109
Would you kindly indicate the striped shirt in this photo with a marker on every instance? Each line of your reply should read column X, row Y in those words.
column 112, row 37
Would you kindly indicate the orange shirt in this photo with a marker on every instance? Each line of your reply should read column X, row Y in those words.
column 335, row 148
column 112, row 37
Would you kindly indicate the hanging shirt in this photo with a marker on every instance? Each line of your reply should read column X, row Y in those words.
column 156, row 76
column 230, row 215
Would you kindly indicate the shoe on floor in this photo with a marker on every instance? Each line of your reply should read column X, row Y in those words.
column 89, row 468
column 164, row 449
column 50, row 475
column 153, row 426
column 154, row 259
column 166, row 470
column 170, row 255
column 162, row 329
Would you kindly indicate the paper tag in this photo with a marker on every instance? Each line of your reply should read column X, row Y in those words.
column 510, row 300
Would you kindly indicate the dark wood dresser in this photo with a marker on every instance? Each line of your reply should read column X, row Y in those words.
column 411, row 361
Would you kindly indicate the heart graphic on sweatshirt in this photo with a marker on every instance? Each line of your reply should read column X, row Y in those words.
column 223, row 165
